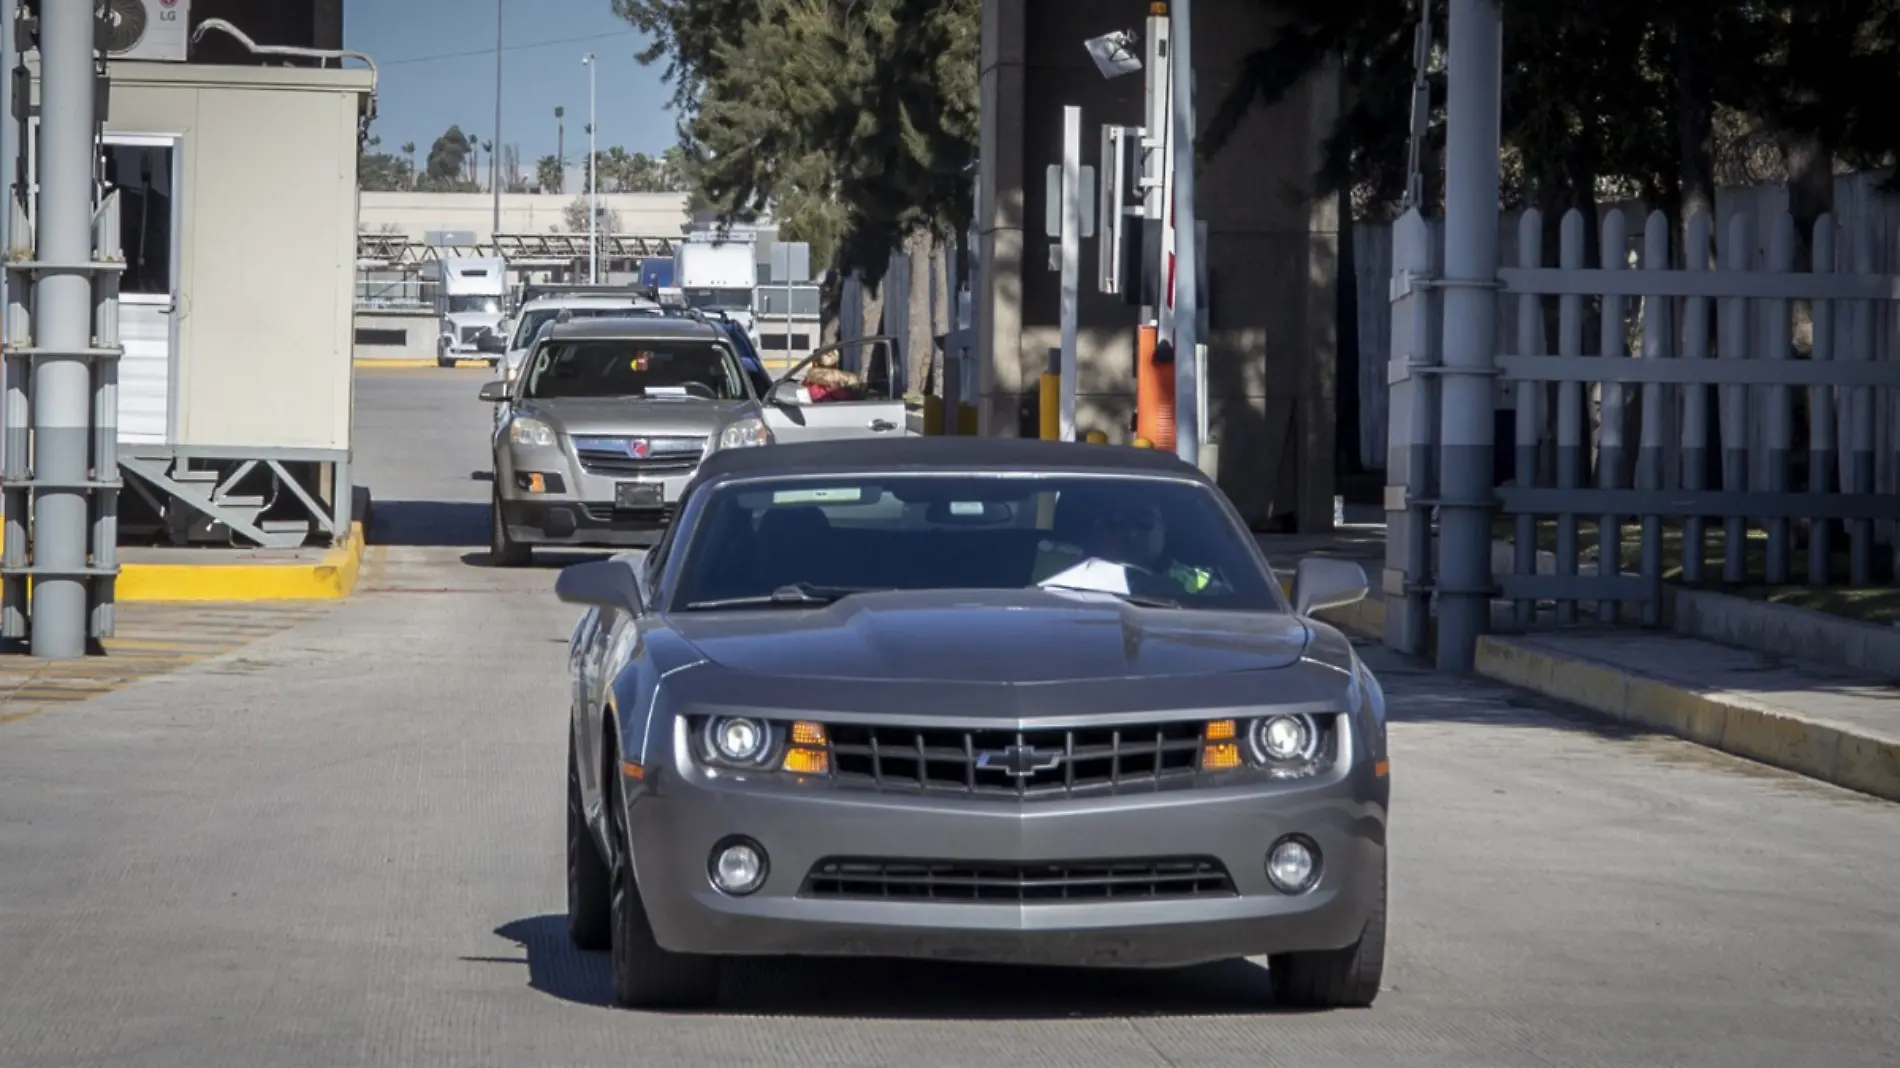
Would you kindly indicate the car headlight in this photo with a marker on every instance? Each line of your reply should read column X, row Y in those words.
column 738, row 741
column 530, row 433
column 753, row 743
column 1285, row 744
column 744, row 434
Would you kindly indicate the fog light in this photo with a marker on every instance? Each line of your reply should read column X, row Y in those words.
column 1293, row 864
column 738, row 866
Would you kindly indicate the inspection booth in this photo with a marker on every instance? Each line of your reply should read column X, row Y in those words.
column 239, row 208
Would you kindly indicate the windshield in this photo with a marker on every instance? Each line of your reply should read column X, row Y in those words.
column 634, row 368
column 708, row 298
column 532, row 320
column 482, row 305
column 795, row 540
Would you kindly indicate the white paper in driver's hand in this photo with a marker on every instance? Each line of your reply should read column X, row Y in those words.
column 1094, row 574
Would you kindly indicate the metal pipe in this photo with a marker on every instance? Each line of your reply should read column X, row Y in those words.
column 62, row 306
column 494, row 168
column 1470, row 329
column 1187, row 297
column 105, row 414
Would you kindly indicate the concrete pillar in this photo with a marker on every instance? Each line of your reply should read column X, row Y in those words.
column 1272, row 249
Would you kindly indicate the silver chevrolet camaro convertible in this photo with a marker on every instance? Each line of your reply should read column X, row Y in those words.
column 970, row 699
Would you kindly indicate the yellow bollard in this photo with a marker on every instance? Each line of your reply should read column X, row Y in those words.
column 966, row 420
column 1143, row 443
column 1095, row 437
column 933, row 415
column 1051, row 398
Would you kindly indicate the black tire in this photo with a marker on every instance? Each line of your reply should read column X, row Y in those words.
column 647, row 976
column 589, row 882
column 1345, row 978
column 504, row 551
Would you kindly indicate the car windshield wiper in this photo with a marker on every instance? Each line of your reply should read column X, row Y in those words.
column 795, row 595
column 1136, row 599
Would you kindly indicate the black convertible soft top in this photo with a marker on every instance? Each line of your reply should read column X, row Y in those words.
column 859, row 456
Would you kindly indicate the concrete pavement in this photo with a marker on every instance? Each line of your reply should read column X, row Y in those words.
column 342, row 845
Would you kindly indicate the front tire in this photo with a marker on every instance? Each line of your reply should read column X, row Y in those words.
column 589, row 882
column 504, row 551
column 647, row 976
column 1345, row 978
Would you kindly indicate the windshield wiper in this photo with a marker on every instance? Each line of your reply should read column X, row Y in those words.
column 1136, row 599
column 795, row 595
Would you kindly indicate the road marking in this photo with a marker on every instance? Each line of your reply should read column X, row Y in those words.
column 153, row 639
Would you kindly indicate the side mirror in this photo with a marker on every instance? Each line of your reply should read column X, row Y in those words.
column 494, row 392
column 1321, row 583
column 600, row 583
column 782, row 392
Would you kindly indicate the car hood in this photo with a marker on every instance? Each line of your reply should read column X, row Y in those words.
column 1008, row 637
column 625, row 416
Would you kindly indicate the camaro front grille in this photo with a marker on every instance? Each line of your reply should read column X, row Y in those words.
column 865, row 878
column 1011, row 763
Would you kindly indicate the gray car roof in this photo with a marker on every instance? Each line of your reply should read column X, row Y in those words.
column 928, row 454
column 613, row 328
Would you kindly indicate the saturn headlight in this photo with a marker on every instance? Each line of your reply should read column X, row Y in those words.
column 745, row 433
column 530, row 433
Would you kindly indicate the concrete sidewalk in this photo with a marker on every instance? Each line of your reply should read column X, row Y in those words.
column 1838, row 726
column 1821, row 722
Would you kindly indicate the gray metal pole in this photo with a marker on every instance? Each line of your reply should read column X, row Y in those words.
column 62, row 310
column 593, row 212
column 1071, row 264
column 1187, row 299
column 494, row 168
column 1470, row 325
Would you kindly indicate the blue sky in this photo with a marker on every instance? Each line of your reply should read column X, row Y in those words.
column 437, row 63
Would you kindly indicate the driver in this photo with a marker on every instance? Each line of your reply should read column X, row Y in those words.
column 1133, row 533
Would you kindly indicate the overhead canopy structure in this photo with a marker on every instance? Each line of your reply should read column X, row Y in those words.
column 524, row 251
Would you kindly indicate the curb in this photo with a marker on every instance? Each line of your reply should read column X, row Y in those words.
column 331, row 578
column 1787, row 631
column 1729, row 722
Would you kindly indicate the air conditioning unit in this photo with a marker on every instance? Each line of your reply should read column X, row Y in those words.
column 157, row 30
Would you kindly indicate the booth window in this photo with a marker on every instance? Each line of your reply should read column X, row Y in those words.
column 143, row 176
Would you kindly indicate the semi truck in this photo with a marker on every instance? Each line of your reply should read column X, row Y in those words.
column 469, row 299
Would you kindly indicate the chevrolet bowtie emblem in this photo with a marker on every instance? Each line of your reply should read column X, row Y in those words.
column 1018, row 761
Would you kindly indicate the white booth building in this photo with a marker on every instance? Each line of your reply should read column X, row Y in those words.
column 239, row 216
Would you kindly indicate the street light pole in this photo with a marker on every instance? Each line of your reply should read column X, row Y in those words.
column 494, row 167
column 593, row 212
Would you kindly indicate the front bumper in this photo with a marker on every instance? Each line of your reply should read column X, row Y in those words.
column 581, row 523
column 676, row 819
column 578, row 508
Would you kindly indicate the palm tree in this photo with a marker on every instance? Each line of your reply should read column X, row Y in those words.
column 409, row 153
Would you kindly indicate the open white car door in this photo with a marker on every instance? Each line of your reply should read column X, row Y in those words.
column 870, row 412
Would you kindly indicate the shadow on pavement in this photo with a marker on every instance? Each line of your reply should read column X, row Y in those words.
column 543, row 558
column 889, row 989
column 439, row 523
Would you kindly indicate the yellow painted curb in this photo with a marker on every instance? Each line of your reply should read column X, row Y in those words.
column 1728, row 722
column 332, row 577
column 407, row 362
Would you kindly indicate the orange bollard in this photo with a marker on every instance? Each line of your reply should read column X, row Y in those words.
column 1154, row 393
